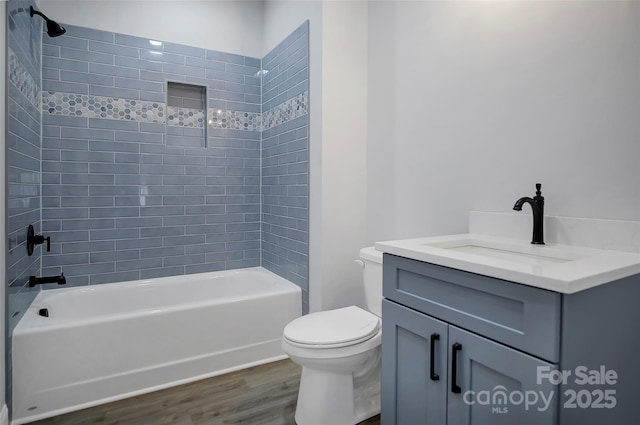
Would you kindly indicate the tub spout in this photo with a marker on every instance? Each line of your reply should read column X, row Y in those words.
column 60, row 280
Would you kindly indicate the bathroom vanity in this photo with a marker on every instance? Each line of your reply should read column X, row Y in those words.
column 489, row 331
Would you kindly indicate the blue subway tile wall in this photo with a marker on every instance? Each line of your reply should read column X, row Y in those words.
column 23, row 154
column 285, row 160
column 129, row 191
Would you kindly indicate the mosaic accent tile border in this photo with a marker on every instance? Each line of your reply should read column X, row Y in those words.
column 82, row 105
column 236, row 120
column 286, row 111
column 185, row 117
column 20, row 77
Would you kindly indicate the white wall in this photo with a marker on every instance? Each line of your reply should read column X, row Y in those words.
column 471, row 103
column 344, row 147
column 224, row 25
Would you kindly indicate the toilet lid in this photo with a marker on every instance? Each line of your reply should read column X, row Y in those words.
column 339, row 327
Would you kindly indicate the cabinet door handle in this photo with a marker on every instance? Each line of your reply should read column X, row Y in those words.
column 432, row 367
column 454, row 368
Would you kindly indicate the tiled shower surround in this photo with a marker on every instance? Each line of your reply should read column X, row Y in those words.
column 23, row 154
column 131, row 190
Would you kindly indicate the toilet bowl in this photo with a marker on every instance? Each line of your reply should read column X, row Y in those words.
column 339, row 351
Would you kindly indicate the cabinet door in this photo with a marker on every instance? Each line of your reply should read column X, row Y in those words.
column 497, row 385
column 414, row 383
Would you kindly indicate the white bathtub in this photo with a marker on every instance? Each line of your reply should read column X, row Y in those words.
column 108, row 342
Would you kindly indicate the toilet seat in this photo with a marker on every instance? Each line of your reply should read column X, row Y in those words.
column 341, row 327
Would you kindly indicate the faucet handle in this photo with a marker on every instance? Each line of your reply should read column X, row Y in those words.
column 538, row 186
column 33, row 240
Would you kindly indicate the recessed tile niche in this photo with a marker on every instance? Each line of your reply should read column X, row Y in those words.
column 186, row 113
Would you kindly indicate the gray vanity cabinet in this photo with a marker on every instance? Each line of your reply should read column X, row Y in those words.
column 503, row 339
column 466, row 374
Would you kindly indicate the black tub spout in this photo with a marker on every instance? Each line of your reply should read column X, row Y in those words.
column 60, row 280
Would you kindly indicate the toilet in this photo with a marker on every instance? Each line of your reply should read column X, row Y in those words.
column 339, row 351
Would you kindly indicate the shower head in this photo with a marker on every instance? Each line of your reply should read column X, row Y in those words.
column 54, row 29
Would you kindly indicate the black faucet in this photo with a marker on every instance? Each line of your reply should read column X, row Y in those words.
column 60, row 280
column 537, row 206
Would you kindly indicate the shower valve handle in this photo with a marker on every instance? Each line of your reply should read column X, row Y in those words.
column 33, row 240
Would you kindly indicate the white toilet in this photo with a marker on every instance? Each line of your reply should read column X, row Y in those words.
column 339, row 351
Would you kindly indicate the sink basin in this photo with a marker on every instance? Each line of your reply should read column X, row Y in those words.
column 533, row 255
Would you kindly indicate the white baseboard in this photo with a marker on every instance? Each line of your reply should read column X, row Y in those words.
column 4, row 415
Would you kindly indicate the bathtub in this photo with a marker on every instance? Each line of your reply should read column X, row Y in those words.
column 108, row 342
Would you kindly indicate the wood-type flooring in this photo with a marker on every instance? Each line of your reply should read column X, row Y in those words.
column 260, row 395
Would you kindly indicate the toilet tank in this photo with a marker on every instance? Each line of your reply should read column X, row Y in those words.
column 372, row 278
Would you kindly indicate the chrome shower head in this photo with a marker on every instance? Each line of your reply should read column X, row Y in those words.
column 54, row 29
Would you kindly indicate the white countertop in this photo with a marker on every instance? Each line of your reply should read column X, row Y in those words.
column 561, row 268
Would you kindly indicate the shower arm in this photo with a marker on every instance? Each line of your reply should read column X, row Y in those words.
column 35, row 12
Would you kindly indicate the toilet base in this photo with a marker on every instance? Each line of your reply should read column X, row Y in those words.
column 338, row 398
